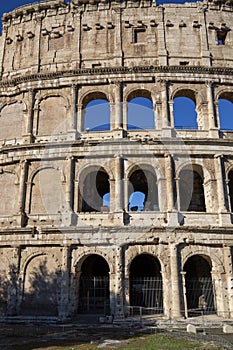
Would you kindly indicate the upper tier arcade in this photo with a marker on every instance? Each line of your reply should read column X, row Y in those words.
column 52, row 36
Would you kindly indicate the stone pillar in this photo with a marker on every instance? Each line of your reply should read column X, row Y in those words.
column 3, row 44
column 229, row 279
column 170, row 181
column 22, row 192
column 224, row 215
column 80, row 119
column 172, row 215
column 183, row 273
column 72, row 126
column 28, row 136
column 118, row 183
column 205, row 52
column 213, row 132
column 165, row 116
column 76, row 57
column 68, row 214
column 63, row 304
column 162, row 52
column 175, row 282
column 117, row 122
column 13, row 291
column 126, row 194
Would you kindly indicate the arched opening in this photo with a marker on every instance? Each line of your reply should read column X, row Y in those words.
column 185, row 115
column 146, row 286
column 97, row 114
column 230, row 187
column 199, row 286
column 191, row 190
column 95, row 192
column 143, row 183
column 94, row 286
column 225, row 110
column 140, row 114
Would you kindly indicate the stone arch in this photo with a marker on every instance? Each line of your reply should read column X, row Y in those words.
column 225, row 109
column 90, row 196
column 77, row 262
column 40, row 286
column 142, row 179
column 46, row 197
column 140, row 103
column 137, row 92
column 145, row 283
column 212, row 258
column 52, row 114
column 191, row 191
column 199, row 285
column 96, row 111
column 93, row 284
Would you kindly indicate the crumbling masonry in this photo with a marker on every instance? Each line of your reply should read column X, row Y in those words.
column 73, row 241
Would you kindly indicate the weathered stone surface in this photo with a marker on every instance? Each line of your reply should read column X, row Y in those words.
column 71, row 239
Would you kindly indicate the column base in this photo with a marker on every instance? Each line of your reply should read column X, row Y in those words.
column 225, row 219
column 172, row 219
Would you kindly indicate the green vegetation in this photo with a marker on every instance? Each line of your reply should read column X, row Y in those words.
column 149, row 342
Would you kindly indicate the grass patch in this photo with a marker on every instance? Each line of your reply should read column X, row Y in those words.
column 147, row 342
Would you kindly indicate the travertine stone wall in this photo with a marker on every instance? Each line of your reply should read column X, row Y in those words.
column 55, row 58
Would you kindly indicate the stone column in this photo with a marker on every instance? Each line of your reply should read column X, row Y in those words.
column 117, row 122
column 63, row 304
column 205, row 52
column 80, row 119
column 162, row 52
column 13, row 291
column 175, row 282
column 224, row 215
column 213, row 132
column 165, row 116
column 118, row 183
column 183, row 273
column 72, row 126
column 169, row 181
column 22, row 192
column 28, row 136
column 3, row 44
column 229, row 279
column 68, row 214
column 172, row 215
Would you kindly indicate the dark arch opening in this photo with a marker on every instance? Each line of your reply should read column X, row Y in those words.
column 144, row 182
column 199, row 286
column 94, row 296
column 146, row 286
column 94, row 191
column 185, row 115
column 140, row 114
column 192, row 197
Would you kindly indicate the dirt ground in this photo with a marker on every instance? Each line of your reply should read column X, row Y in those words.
column 39, row 336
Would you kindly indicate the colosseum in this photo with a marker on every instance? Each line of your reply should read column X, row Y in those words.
column 116, row 159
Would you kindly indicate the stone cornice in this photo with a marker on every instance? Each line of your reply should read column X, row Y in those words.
column 117, row 70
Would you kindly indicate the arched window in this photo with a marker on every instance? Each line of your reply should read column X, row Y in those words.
column 143, row 191
column 225, row 110
column 97, row 115
column 146, row 285
column 94, row 191
column 199, row 286
column 185, row 115
column 140, row 114
column 191, row 191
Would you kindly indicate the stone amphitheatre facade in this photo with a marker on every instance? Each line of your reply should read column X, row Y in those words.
column 72, row 239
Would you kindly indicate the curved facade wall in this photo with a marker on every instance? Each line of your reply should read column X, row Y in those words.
column 74, row 151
